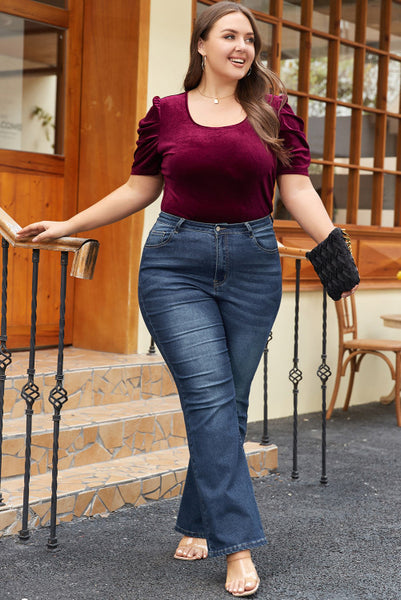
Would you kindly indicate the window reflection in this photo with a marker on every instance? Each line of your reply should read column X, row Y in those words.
column 31, row 80
column 395, row 28
column 260, row 5
column 364, row 216
column 394, row 87
column 292, row 10
column 317, row 113
column 388, row 200
column 370, row 77
column 318, row 67
column 321, row 17
column 290, row 58
column 345, row 73
column 368, row 139
column 343, row 134
column 340, row 194
column 266, row 30
column 347, row 23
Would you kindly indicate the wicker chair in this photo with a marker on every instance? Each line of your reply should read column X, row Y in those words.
column 352, row 350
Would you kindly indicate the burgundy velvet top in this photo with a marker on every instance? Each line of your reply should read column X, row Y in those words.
column 215, row 174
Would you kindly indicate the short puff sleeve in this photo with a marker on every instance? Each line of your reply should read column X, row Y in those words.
column 293, row 136
column 147, row 159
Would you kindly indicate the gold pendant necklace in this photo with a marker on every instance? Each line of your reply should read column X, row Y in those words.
column 215, row 99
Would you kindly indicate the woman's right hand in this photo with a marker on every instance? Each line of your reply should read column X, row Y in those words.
column 44, row 231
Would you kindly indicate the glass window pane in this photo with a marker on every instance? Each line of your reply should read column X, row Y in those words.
column 293, row 102
column 31, row 73
column 393, row 133
column 365, row 198
column 260, row 5
column 395, row 29
column 370, row 79
column 394, row 87
column 292, row 11
column 345, row 73
column 368, row 139
column 317, row 113
column 290, row 58
column 388, row 200
column 279, row 210
column 373, row 25
column 58, row 3
column 321, row 16
column 200, row 8
column 318, row 67
column 347, row 23
column 266, row 33
column 316, row 174
column 340, row 193
column 343, row 134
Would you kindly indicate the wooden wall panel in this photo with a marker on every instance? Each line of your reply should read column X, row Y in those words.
column 27, row 198
column 115, row 47
column 379, row 259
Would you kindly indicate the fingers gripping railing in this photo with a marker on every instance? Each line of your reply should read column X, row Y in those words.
column 85, row 254
column 295, row 374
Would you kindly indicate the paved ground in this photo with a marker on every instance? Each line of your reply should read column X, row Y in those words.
column 335, row 542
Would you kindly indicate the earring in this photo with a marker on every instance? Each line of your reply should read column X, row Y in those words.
column 249, row 72
column 203, row 63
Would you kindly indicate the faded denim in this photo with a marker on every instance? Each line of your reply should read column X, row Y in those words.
column 209, row 294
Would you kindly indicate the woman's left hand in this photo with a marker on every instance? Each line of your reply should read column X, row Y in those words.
column 350, row 292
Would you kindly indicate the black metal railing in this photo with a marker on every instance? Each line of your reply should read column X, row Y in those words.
column 85, row 254
column 295, row 374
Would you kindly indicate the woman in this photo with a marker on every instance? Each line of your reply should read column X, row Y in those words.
column 210, row 279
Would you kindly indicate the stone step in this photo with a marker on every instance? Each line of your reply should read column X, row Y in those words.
column 107, row 486
column 95, row 434
column 91, row 378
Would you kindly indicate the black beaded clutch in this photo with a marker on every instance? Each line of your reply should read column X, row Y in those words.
column 333, row 262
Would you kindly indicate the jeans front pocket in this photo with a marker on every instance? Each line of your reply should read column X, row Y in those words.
column 159, row 235
column 265, row 239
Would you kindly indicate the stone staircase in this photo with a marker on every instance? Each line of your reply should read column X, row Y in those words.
column 122, row 437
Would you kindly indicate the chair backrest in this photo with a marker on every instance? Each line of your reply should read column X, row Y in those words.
column 346, row 315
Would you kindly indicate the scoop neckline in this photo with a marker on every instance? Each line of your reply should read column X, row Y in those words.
column 209, row 126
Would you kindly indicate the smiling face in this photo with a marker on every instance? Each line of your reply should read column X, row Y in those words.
column 229, row 47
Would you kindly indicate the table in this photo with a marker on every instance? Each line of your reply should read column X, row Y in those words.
column 390, row 321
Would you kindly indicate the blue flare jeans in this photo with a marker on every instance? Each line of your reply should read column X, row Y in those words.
column 209, row 294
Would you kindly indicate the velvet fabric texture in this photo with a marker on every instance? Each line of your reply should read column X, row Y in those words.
column 215, row 174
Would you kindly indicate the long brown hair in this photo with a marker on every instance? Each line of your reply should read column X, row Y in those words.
column 251, row 91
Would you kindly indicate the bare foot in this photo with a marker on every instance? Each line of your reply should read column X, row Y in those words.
column 242, row 578
column 191, row 549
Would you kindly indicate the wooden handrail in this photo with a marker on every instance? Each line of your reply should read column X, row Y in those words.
column 285, row 251
column 85, row 250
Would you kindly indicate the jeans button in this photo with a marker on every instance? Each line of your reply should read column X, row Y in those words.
column 217, row 228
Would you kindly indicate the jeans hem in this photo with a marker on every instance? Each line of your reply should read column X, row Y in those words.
column 188, row 533
column 238, row 547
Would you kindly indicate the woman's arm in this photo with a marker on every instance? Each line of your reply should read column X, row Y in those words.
column 137, row 193
column 304, row 203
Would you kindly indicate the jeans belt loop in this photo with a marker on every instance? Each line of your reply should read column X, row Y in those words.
column 180, row 222
column 249, row 228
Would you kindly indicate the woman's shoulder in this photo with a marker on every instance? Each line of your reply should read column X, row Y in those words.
column 278, row 102
column 172, row 101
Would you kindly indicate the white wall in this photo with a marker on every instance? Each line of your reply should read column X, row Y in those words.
column 168, row 58
column 170, row 34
